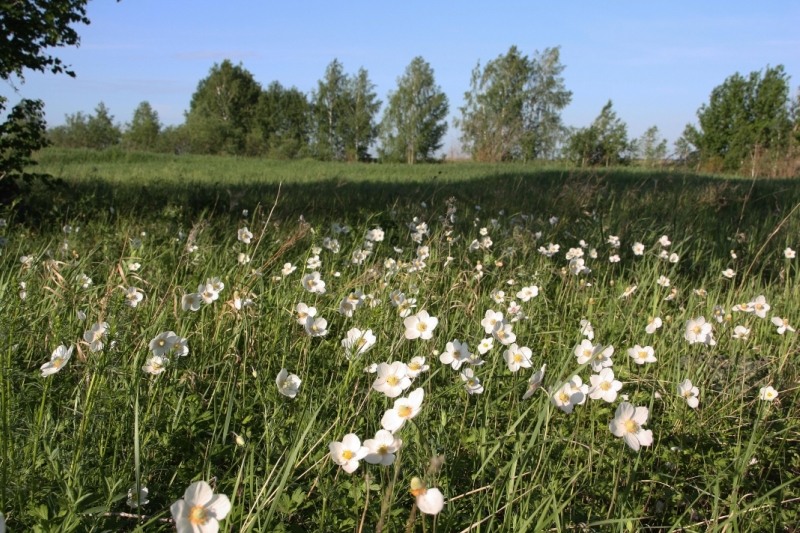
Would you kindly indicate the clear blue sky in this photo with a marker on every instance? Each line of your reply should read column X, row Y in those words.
column 658, row 61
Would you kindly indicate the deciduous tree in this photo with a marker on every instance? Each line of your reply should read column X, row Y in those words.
column 222, row 109
column 512, row 110
column 604, row 142
column 415, row 119
column 142, row 133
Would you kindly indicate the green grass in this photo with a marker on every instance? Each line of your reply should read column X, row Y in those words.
column 73, row 443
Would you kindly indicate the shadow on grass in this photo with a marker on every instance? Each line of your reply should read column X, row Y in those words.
column 628, row 197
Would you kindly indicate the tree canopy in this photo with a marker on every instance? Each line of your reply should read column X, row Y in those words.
column 415, row 119
column 512, row 110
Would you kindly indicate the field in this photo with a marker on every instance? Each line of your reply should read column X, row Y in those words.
column 534, row 328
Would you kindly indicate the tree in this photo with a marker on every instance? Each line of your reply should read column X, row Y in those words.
column 414, row 122
column 512, row 110
column 222, row 110
column 745, row 119
column 142, row 132
column 604, row 142
column 29, row 30
column 651, row 148
column 281, row 123
column 360, row 125
column 329, row 106
column 544, row 130
column 343, row 115
column 101, row 132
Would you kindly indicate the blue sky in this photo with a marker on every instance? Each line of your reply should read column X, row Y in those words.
column 658, row 61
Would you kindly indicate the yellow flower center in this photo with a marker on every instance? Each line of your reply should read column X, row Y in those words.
column 347, row 455
column 198, row 515
column 383, row 449
column 631, row 426
column 392, row 380
column 518, row 357
column 563, row 397
column 643, row 354
column 404, row 411
column 422, row 326
column 58, row 362
column 605, row 385
column 414, row 366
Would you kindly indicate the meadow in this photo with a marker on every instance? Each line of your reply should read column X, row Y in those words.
column 454, row 347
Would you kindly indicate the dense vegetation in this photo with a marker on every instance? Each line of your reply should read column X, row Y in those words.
column 103, row 424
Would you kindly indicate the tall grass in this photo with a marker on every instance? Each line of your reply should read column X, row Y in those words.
column 75, row 442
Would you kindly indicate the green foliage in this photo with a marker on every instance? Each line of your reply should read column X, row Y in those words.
column 604, row 142
column 96, row 131
column 343, row 111
column 21, row 134
column 745, row 119
column 414, row 122
column 281, row 123
column 651, row 148
column 223, row 110
column 30, row 28
column 142, row 133
column 512, row 110
column 73, row 443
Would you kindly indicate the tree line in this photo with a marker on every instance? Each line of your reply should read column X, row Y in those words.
column 511, row 112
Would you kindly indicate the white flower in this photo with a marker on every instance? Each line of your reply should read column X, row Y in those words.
column 604, row 386
column 782, row 324
column 358, row 342
column 517, row 357
column 586, row 329
column 155, row 364
column 729, row 273
column 471, row 382
column 455, row 354
column 200, row 510
column 375, row 235
column 638, row 248
column 741, row 333
column 302, row 312
column 570, row 394
column 788, row 253
column 653, row 324
column 759, row 306
column 416, row 366
column 663, row 281
column 674, row 258
column 526, row 293
column 664, row 241
column 313, row 283
column 767, row 393
column 485, row 345
column 137, row 498
column 348, row 452
column 58, row 359
column 287, row 269
column 404, row 409
column 642, row 355
column 163, row 342
column 316, row 327
column 699, row 331
column 96, row 335
column 534, row 382
column 382, row 448
column 420, row 326
column 491, row 321
column 627, row 423
column 392, row 379
column 243, row 258
column 244, row 235
column 133, row 296
column 505, row 334
column 191, row 301
column 689, row 392
column 429, row 501
column 498, row 296
column 288, row 384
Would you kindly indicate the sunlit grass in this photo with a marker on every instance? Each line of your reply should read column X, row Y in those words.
column 74, row 443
